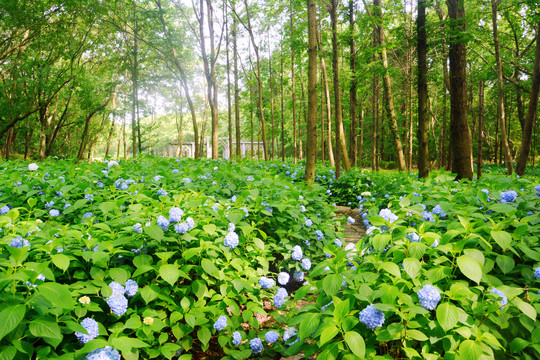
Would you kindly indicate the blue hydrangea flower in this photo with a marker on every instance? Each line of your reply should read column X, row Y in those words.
column 246, row 211
column 296, row 253
column 99, row 184
column 319, row 234
column 413, row 237
column 256, row 345
column 429, row 297
column 537, row 273
column 190, row 223
column 351, row 220
column 66, row 206
column 231, row 240
column 87, row 215
column 54, row 213
column 435, row 243
column 231, row 227
column 220, row 323
column 388, row 215
column 298, row 276
column 250, row 178
column 106, row 353
column 266, row 283
column 508, row 196
column 288, row 334
column 118, row 304
column 137, row 228
column 236, row 338
column 504, row 299
column 306, row 264
column 372, row 317
column 280, row 296
column 428, row 216
column 91, row 327
column 302, row 208
column 19, row 242
column 338, row 243
column 162, row 192
column 283, row 278
column 181, row 228
column 327, row 305
column 131, row 288
column 309, row 222
column 4, row 210
column 163, row 223
column 271, row 337
column 175, row 214
column 49, row 205
column 89, row 197
column 117, row 288
column 537, row 188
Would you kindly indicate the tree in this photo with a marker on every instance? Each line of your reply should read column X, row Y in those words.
column 423, row 152
column 460, row 133
column 311, row 139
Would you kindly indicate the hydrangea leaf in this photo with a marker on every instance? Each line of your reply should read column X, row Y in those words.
column 412, row 267
column 447, row 315
column 470, row 268
column 45, row 327
column 309, row 324
column 170, row 273
column 328, row 334
column 356, row 343
column 61, row 261
column 58, row 294
column 10, row 318
column 470, row 350
column 502, row 238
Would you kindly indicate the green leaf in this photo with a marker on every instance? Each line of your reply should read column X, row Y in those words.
column 391, row 268
column 502, row 208
column 470, row 350
column 210, row 229
column 8, row 353
column 154, row 231
column 331, row 284
column 61, row 261
column 517, row 345
column 43, row 327
column 170, row 273
column 341, row 310
column 379, row 241
column 447, row 315
column 148, row 294
column 119, row 275
column 505, row 263
column 189, row 253
column 209, row 267
column 328, row 334
column 107, row 206
column 58, row 294
column 125, row 344
column 308, row 325
column 502, row 238
column 10, row 318
column 416, row 335
column 31, row 202
column 356, row 343
column 412, row 267
column 470, row 268
column 204, row 335
column 526, row 308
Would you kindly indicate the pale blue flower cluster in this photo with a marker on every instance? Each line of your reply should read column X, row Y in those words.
column 428, row 216
column 117, row 302
column 162, row 192
column 271, row 337
column 296, row 253
column 306, row 264
column 106, row 353
column 351, row 220
column 537, row 188
column 504, row 299
column 537, row 273
column 288, row 334
column 236, row 338
column 131, row 288
column 87, row 215
column 175, row 214
column 388, row 215
column 49, row 205
column 54, row 213
column 413, row 237
column 256, row 345
column 19, row 242
column 283, row 278
column 437, row 210
column 266, row 283
column 508, row 196
column 429, row 297
column 137, row 228
column 319, row 234
column 220, row 323
column 308, row 222
column 298, row 276
column 372, row 317
column 4, row 210
column 163, row 222
column 91, row 326
column 231, row 239
column 338, row 243
column 280, row 296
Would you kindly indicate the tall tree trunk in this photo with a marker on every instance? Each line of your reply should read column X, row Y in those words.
column 480, row 128
column 460, row 132
column 387, row 88
column 341, row 146
column 271, row 87
column 352, row 91
column 236, row 90
column 229, row 110
column 500, row 94
column 109, row 138
column 528, row 126
column 423, row 152
column 282, row 112
column 293, row 86
column 328, row 113
column 311, row 139
column 375, row 118
column 135, row 89
column 361, row 127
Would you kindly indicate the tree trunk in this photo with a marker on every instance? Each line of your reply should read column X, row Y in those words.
column 361, row 127
column 282, row 112
column 311, row 139
column 375, row 117
column 328, row 113
column 460, row 132
column 480, row 128
column 236, row 90
column 109, row 138
column 341, row 146
column 293, row 86
column 500, row 94
column 527, row 133
column 387, row 88
column 352, row 91
column 229, row 110
column 423, row 152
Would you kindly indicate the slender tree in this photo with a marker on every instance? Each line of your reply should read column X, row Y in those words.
column 311, row 139
column 423, row 152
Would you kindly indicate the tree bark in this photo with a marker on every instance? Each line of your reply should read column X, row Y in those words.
column 528, row 126
column 293, row 86
column 460, row 132
column 311, row 139
column 500, row 94
column 353, row 146
column 480, row 128
column 236, row 90
column 423, row 152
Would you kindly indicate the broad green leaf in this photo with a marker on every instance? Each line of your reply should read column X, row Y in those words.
column 505, row 263
column 502, row 238
column 210, row 229
column 46, row 328
column 8, row 353
column 331, row 284
column 356, row 343
column 148, row 294
column 412, row 267
column 526, row 308
column 107, row 206
column 470, row 350
column 61, row 261
column 170, row 273
column 447, row 315
column 328, row 334
column 380, row 241
column 416, row 335
column 204, row 335
column 517, row 345
column 470, row 268
column 58, row 294
column 209, row 267
column 119, row 275
column 341, row 310
column 10, row 318
column 125, row 344
column 308, row 325
column 154, row 231
column 391, row 268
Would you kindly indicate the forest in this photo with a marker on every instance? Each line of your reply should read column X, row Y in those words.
column 101, row 79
